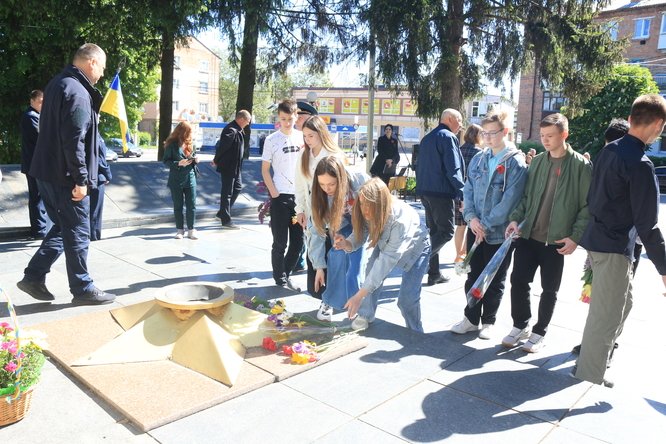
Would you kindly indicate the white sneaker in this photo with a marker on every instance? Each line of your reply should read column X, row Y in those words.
column 192, row 234
column 360, row 323
column 515, row 336
column 463, row 327
column 179, row 234
column 486, row 331
column 325, row 312
column 534, row 343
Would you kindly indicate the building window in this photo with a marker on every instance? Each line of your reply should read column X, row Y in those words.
column 203, row 65
column 203, row 108
column 613, row 28
column 553, row 101
column 203, row 87
column 176, row 62
column 475, row 109
column 642, row 28
column 175, row 106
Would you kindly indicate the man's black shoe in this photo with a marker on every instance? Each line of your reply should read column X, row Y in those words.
column 230, row 226
column 35, row 289
column 434, row 280
column 94, row 296
column 576, row 351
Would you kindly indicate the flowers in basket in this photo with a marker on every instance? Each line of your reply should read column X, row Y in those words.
column 464, row 267
column 587, row 282
column 21, row 360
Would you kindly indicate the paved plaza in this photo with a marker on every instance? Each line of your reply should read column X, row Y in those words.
column 403, row 387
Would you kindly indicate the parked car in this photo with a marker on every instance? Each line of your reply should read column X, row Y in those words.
column 661, row 176
column 111, row 155
column 117, row 146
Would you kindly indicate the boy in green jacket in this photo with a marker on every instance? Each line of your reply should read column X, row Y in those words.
column 554, row 211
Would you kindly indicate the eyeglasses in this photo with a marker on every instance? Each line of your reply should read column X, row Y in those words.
column 490, row 133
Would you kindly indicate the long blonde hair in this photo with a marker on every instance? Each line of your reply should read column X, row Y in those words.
column 377, row 196
column 182, row 134
column 317, row 124
column 321, row 213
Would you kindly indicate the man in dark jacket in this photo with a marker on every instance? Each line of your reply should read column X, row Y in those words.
column 65, row 165
column 229, row 162
column 623, row 195
column 439, row 180
column 39, row 220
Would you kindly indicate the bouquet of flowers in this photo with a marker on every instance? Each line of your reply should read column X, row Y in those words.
column 21, row 357
column 302, row 352
column 264, row 207
column 464, row 267
column 475, row 294
column 587, row 282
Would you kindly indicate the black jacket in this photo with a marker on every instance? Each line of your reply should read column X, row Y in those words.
column 104, row 174
column 229, row 150
column 386, row 149
column 29, row 133
column 624, row 193
column 66, row 151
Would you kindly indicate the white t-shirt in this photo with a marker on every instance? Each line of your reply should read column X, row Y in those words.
column 283, row 152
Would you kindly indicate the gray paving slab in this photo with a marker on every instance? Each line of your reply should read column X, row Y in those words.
column 522, row 387
column 561, row 435
column 430, row 412
column 278, row 414
column 357, row 432
column 616, row 416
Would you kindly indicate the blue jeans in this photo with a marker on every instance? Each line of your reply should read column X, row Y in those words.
column 70, row 234
column 344, row 274
column 409, row 295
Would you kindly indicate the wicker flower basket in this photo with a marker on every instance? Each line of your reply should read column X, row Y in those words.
column 14, row 410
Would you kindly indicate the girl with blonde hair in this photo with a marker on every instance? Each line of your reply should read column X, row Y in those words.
column 318, row 144
column 400, row 240
column 181, row 159
column 334, row 192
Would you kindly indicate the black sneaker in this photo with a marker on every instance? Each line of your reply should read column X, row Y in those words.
column 576, row 350
column 230, row 226
column 434, row 280
column 94, row 296
column 37, row 290
column 287, row 283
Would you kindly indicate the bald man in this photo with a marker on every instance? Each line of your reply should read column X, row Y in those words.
column 439, row 180
column 65, row 165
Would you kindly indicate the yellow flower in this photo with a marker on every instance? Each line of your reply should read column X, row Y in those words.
column 277, row 309
column 300, row 358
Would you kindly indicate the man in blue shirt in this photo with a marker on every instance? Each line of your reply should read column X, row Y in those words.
column 439, row 180
column 623, row 194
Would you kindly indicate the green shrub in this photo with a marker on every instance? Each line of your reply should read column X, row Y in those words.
column 144, row 138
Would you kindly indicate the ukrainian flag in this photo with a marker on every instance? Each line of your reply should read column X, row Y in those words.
column 114, row 104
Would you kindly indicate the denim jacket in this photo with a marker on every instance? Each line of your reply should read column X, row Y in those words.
column 490, row 196
column 317, row 241
column 401, row 243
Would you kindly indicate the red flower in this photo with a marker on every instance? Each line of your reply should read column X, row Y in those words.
column 558, row 171
column 501, row 169
column 269, row 344
column 476, row 293
column 287, row 350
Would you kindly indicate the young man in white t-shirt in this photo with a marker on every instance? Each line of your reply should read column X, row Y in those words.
column 281, row 152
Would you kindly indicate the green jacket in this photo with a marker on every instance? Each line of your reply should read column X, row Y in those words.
column 569, row 215
column 182, row 176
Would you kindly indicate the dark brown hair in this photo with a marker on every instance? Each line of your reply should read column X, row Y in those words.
column 558, row 120
column 473, row 134
column 648, row 108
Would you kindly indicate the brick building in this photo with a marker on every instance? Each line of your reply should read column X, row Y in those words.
column 642, row 23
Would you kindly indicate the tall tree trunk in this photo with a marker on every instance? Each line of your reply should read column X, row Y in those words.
column 247, row 76
column 451, row 92
column 166, row 91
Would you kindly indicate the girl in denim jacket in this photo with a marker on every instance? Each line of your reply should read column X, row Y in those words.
column 400, row 240
column 496, row 179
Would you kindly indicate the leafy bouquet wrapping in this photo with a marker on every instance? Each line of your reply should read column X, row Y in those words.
column 464, row 267
column 21, row 358
column 478, row 290
column 587, row 282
